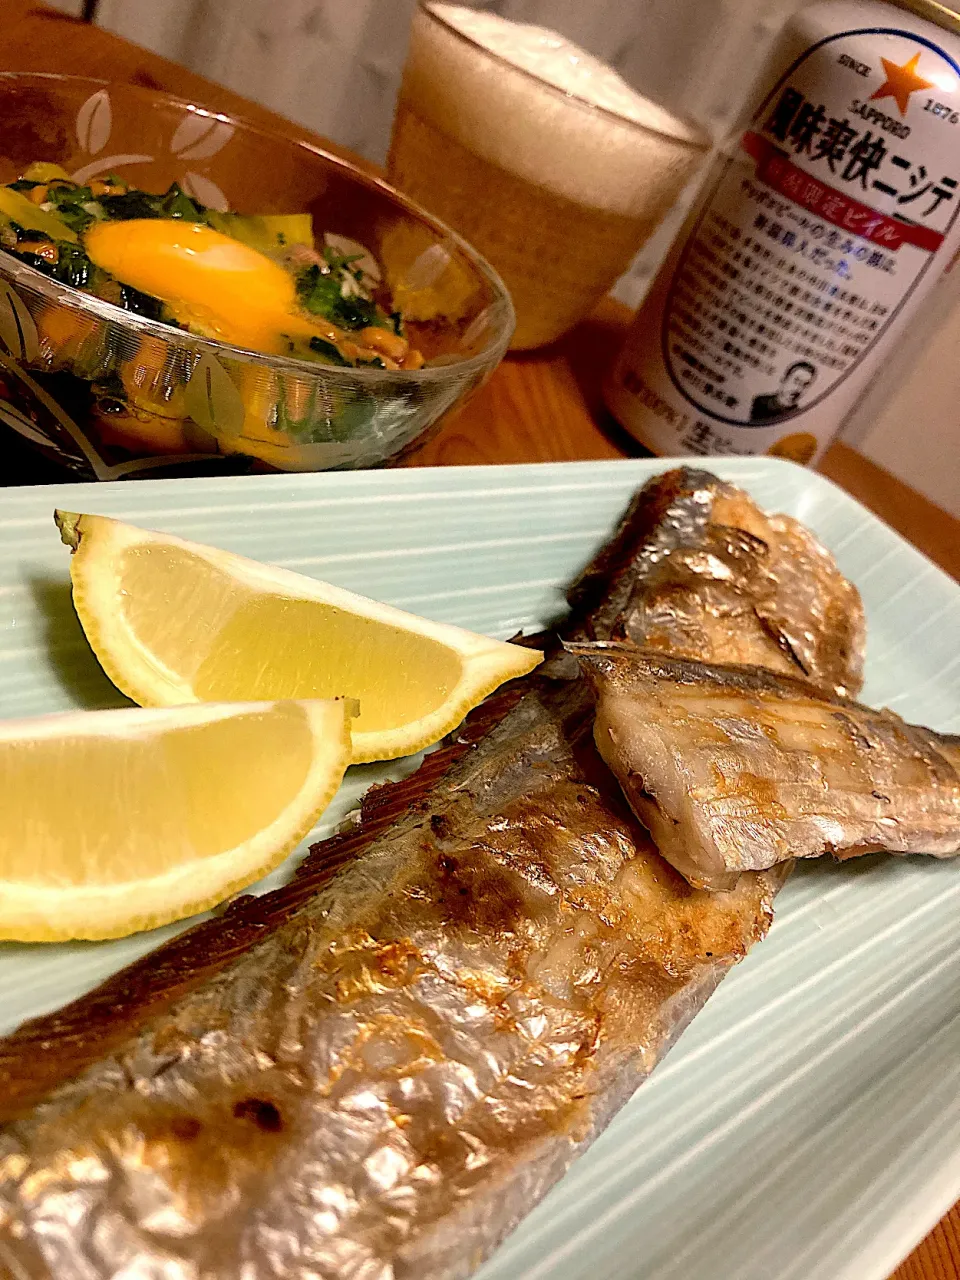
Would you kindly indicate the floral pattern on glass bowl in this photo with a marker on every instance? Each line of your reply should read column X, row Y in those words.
column 108, row 393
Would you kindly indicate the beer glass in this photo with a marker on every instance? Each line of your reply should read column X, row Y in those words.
column 556, row 191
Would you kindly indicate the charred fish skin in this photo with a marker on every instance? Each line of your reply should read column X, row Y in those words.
column 736, row 768
column 376, row 1080
column 698, row 570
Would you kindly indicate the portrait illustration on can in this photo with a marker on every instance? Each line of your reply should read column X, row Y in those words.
column 797, row 379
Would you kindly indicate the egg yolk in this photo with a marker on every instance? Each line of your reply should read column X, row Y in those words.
column 212, row 284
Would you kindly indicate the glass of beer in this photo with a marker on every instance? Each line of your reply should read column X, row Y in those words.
column 538, row 154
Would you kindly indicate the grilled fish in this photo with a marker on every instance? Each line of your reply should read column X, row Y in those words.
column 374, row 1072
column 697, row 570
column 384, row 1082
column 735, row 768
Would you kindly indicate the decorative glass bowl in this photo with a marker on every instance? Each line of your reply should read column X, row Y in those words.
column 108, row 393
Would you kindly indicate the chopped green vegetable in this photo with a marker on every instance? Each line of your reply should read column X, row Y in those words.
column 141, row 303
column 132, row 204
column 17, row 208
column 177, row 204
column 318, row 291
column 321, row 292
column 75, row 205
column 356, row 312
column 330, row 353
column 174, row 203
column 75, row 268
column 266, row 233
column 337, row 261
column 43, row 171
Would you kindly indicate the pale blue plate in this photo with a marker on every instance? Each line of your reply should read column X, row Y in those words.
column 808, row 1124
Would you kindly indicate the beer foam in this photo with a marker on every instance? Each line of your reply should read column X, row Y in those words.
column 630, row 156
column 566, row 66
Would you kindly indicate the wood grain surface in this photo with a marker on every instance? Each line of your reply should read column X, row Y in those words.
column 536, row 408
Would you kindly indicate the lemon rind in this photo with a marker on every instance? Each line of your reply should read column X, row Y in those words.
column 485, row 663
column 390, row 744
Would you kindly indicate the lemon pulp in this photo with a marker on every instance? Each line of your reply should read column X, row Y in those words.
column 230, row 641
column 121, row 820
column 173, row 622
column 183, row 790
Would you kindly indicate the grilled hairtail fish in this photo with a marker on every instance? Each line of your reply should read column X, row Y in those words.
column 389, row 1078
column 699, row 571
column 735, row 768
column 375, row 1078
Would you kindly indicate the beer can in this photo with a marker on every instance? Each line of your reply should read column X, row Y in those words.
column 829, row 213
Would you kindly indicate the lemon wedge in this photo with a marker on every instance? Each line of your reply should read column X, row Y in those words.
column 175, row 622
column 115, row 821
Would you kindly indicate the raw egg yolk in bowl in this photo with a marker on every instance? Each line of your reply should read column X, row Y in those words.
column 210, row 283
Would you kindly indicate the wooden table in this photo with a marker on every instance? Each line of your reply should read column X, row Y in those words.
column 542, row 407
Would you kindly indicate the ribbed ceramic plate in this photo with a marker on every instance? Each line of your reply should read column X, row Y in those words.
column 808, row 1123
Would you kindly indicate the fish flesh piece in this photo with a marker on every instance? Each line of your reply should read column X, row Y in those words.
column 374, row 1072
column 699, row 571
column 736, row 768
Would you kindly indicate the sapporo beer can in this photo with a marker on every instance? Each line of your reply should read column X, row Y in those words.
column 830, row 212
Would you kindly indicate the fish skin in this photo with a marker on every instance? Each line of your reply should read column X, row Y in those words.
column 698, row 570
column 737, row 768
column 386, row 1083
column 376, row 1076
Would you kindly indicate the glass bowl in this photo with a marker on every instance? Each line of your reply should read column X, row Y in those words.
column 108, row 393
